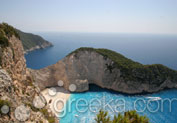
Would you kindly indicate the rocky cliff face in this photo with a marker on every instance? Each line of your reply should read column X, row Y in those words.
column 13, row 59
column 20, row 87
column 17, row 90
column 85, row 66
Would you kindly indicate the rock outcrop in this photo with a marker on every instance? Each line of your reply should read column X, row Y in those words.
column 17, row 89
column 106, row 69
column 20, row 98
column 42, row 46
column 13, row 59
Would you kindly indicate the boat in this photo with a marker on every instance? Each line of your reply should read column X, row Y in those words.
column 76, row 115
column 154, row 98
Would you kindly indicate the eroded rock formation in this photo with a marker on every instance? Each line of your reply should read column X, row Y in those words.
column 89, row 66
column 16, row 83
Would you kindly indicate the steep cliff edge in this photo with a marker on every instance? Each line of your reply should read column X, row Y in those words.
column 106, row 69
column 17, row 89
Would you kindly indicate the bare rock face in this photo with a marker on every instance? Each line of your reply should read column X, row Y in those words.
column 42, row 46
column 39, row 102
column 5, row 79
column 89, row 67
column 22, row 113
column 5, row 83
column 16, row 86
column 17, row 90
column 13, row 59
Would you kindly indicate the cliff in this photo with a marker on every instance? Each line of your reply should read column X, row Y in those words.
column 32, row 42
column 106, row 69
column 20, row 98
column 17, row 89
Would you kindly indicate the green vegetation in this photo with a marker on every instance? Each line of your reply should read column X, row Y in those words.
column 3, row 37
column 133, row 70
column 47, row 116
column 32, row 107
column 128, row 117
column 30, row 40
column 2, row 103
column 8, row 30
column 3, row 41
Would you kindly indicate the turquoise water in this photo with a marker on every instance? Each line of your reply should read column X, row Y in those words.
column 147, row 49
column 157, row 111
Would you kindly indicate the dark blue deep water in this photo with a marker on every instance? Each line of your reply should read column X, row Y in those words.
column 144, row 48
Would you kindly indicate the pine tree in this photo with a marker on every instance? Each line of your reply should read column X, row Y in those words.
column 127, row 117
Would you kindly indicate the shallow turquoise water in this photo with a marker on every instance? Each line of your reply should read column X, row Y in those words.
column 155, row 110
column 146, row 49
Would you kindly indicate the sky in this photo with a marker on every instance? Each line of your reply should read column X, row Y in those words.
column 122, row 16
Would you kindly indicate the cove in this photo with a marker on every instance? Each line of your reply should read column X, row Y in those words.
column 147, row 49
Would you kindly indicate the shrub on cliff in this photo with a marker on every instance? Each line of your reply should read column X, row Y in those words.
column 3, row 41
column 131, row 70
column 127, row 117
column 8, row 30
column 50, row 119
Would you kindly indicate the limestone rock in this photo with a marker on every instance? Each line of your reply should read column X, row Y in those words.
column 16, row 83
column 22, row 113
column 84, row 67
column 5, row 83
column 39, row 101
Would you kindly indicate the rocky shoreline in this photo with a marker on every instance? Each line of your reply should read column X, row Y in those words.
column 85, row 67
column 45, row 45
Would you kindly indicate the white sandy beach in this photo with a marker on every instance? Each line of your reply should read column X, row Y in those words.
column 54, row 96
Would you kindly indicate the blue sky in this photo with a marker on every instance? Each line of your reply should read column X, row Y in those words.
column 131, row 16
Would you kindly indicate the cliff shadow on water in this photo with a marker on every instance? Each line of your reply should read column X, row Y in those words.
column 95, row 88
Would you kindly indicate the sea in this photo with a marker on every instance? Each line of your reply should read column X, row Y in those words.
column 159, row 107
